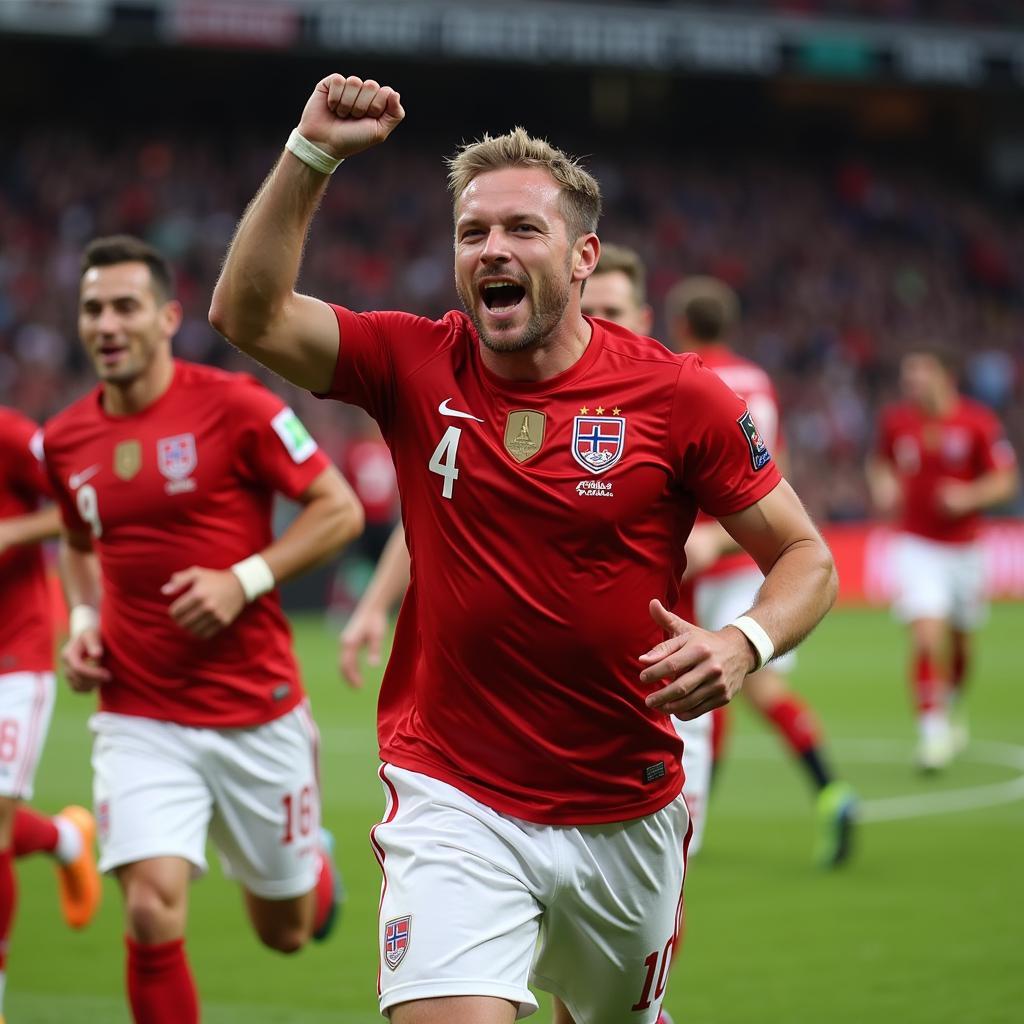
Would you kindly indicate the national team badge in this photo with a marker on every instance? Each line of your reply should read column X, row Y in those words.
column 176, row 456
column 598, row 441
column 759, row 454
column 127, row 459
column 524, row 433
column 396, row 940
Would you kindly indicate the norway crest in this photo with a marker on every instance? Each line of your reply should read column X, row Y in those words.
column 396, row 940
column 598, row 441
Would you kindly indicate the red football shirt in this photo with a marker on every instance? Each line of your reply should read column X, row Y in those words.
column 926, row 451
column 755, row 387
column 26, row 629
column 188, row 481
column 541, row 519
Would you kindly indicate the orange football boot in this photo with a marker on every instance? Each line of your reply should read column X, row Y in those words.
column 79, row 881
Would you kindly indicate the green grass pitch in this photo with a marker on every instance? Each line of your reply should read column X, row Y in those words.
column 925, row 925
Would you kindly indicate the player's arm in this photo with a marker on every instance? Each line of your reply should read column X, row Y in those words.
column 80, row 575
column 705, row 669
column 883, row 484
column 255, row 305
column 369, row 622
column 962, row 497
column 208, row 600
column 31, row 528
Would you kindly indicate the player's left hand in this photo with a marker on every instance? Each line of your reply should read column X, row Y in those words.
column 208, row 600
column 703, row 670
column 955, row 498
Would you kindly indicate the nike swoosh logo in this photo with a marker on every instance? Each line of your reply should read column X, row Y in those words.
column 444, row 410
column 77, row 479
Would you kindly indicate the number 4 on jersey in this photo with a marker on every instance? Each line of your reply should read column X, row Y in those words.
column 442, row 462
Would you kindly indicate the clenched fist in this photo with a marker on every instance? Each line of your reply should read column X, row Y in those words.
column 344, row 116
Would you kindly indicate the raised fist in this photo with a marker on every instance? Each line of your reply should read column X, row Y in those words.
column 344, row 116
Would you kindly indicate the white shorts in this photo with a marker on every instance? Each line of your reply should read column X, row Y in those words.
column 720, row 599
column 939, row 581
column 696, row 737
column 160, row 788
column 468, row 892
column 26, row 704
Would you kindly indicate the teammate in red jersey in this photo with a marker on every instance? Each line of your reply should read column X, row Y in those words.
column 941, row 459
column 165, row 475
column 550, row 467
column 701, row 313
column 27, row 688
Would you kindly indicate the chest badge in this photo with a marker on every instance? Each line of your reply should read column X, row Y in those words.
column 524, row 433
column 127, row 459
column 598, row 441
column 176, row 458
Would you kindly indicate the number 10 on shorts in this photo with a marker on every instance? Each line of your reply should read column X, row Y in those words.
column 298, row 814
column 657, row 965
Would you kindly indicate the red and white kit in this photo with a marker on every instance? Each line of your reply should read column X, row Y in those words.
column 940, row 569
column 26, row 632
column 541, row 518
column 188, row 481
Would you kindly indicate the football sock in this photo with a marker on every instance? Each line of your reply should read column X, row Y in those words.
column 960, row 658
column 324, row 893
column 797, row 726
column 34, row 833
column 8, row 899
column 926, row 683
column 160, row 985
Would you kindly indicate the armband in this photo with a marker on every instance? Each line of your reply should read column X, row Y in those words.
column 759, row 639
column 310, row 154
column 255, row 576
column 82, row 617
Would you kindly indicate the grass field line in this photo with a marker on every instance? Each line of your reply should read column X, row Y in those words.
column 915, row 805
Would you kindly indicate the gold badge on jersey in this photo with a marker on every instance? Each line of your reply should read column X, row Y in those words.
column 127, row 459
column 524, row 433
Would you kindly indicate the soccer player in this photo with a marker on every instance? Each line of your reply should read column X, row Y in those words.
column 701, row 314
column 941, row 459
column 27, row 688
column 165, row 475
column 549, row 468
column 615, row 291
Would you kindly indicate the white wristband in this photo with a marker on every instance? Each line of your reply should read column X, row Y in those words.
column 760, row 640
column 312, row 155
column 82, row 617
column 255, row 576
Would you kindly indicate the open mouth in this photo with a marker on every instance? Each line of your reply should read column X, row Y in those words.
column 502, row 296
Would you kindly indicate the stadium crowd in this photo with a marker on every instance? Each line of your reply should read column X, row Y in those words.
column 839, row 269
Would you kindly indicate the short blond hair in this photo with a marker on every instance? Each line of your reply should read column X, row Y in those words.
column 709, row 307
column 580, row 192
column 621, row 259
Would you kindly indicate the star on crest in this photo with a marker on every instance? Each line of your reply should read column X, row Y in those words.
column 599, row 410
column 616, row 411
column 584, row 410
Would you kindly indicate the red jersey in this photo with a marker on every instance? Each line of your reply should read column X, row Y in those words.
column 188, row 481
column 26, row 627
column 926, row 451
column 370, row 471
column 755, row 387
column 541, row 519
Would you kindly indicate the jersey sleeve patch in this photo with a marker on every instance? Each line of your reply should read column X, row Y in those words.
column 759, row 454
column 294, row 436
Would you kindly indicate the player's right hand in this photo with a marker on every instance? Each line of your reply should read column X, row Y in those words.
column 81, row 657
column 364, row 631
column 344, row 116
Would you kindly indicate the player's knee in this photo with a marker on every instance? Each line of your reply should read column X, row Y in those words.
column 153, row 916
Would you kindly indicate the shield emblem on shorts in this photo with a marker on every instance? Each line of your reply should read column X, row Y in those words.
column 176, row 456
column 396, row 940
